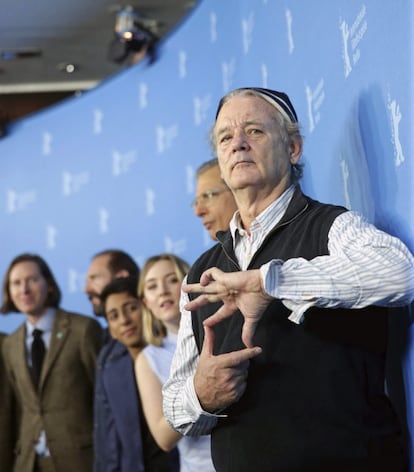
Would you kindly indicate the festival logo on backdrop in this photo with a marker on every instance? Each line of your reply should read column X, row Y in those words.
column 73, row 183
column 213, row 27
column 201, row 106
column 19, row 201
column 345, row 182
column 247, row 25
column 150, row 201
column 176, row 247
column 143, row 95
column 351, row 38
column 289, row 21
column 166, row 137
column 182, row 64
column 103, row 220
column 265, row 75
column 51, row 234
column 122, row 162
column 46, row 143
column 314, row 99
column 228, row 70
column 395, row 118
column 76, row 281
column 97, row 121
column 190, row 179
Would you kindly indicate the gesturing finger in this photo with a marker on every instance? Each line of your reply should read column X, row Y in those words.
column 237, row 358
column 208, row 343
column 230, row 360
column 200, row 301
column 225, row 311
column 213, row 287
column 249, row 328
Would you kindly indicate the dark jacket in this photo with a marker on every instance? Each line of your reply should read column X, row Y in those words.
column 122, row 439
column 62, row 405
column 315, row 397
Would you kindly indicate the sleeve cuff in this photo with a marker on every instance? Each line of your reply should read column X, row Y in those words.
column 202, row 422
column 270, row 279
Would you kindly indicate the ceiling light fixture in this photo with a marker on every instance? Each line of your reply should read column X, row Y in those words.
column 134, row 34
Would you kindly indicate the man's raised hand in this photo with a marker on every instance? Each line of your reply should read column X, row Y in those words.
column 238, row 291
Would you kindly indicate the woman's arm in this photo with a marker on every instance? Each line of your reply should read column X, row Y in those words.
column 150, row 391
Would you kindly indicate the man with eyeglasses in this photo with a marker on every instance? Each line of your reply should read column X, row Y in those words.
column 214, row 202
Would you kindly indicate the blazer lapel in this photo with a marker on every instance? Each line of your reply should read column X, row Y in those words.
column 21, row 356
column 20, row 360
column 60, row 332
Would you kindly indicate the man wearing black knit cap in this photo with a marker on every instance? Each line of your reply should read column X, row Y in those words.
column 280, row 352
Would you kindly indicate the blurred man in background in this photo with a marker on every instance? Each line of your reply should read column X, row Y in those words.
column 214, row 203
column 104, row 267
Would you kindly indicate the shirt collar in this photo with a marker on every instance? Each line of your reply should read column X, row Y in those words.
column 45, row 322
column 268, row 218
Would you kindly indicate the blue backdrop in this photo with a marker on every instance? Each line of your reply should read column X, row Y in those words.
column 115, row 167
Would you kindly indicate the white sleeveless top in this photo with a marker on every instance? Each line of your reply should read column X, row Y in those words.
column 195, row 452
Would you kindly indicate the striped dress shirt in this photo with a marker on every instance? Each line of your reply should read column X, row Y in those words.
column 364, row 266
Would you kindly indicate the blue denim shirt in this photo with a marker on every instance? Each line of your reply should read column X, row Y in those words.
column 118, row 444
column 122, row 440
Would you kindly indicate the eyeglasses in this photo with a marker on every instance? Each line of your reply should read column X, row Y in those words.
column 207, row 197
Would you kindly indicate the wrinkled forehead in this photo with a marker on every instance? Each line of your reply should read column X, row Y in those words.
column 242, row 110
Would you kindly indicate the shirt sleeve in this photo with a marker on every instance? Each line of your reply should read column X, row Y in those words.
column 364, row 266
column 180, row 403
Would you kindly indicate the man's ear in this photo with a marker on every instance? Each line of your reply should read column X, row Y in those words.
column 295, row 149
column 122, row 273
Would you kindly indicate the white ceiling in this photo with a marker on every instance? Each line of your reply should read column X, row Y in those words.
column 72, row 32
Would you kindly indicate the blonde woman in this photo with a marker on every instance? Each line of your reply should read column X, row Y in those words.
column 159, row 289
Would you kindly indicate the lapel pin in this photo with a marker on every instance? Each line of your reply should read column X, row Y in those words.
column 59, row 335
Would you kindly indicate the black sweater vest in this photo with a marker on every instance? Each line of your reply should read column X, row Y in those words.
column 315, row 396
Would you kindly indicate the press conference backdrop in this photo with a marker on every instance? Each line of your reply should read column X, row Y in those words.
column 116, row 166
